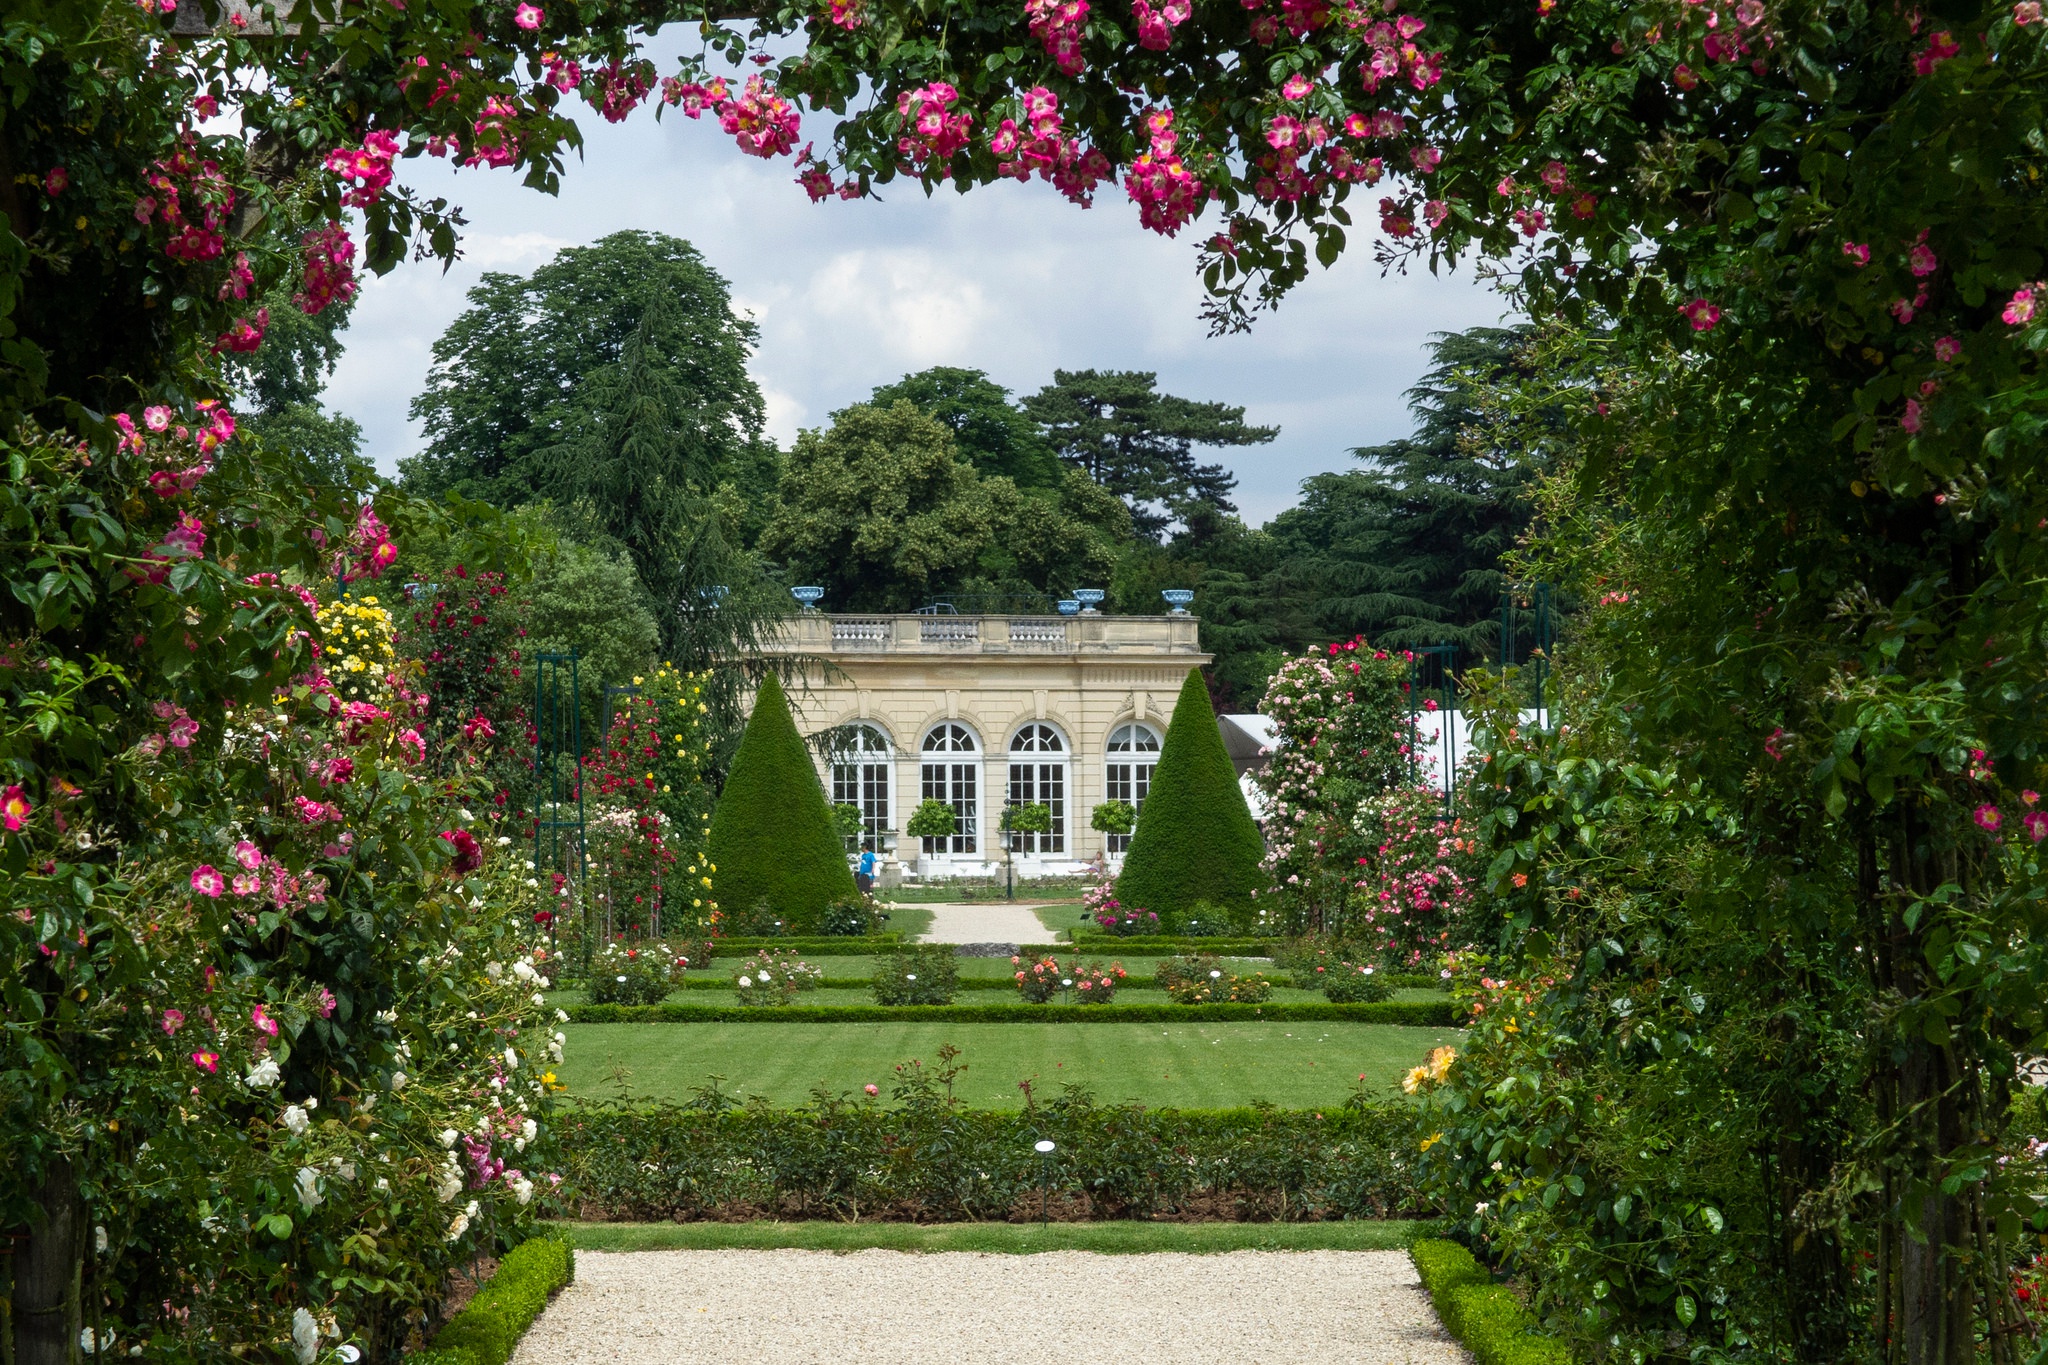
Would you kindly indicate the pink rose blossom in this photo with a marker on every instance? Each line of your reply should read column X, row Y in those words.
column 1702, row 315
column 529, row 17
column 1947, row 350
column 1923, row 260
column 266, row 1025
column 1910, row 421
column 2036, row 822
column 209, row 1062
column 2020, row 309
column 1857, row 252
column 1988, row 817
column 173, row 1021
column 206, row 881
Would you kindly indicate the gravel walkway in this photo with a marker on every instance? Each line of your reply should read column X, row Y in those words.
column 955, row 1308
column 1003, row 923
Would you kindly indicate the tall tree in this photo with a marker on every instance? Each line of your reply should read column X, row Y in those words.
column 534, row 363
column 1408, row 549
column 1118, row 428
column 882, row 512
column 989, row 431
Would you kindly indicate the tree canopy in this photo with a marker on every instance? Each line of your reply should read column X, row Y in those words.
column 989, row 431
column 880, row 510
column 1408, row 549
column 1116, row 427
column 614, row 365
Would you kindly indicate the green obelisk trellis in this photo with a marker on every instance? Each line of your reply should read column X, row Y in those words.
column 1528, row 636
column 558, row 836
column 1433, row 677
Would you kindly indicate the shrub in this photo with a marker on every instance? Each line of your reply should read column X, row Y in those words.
column 1091, row 984
column 1095, row 984
column 1113, row 817
column 772, row 837
column 1486, row 1317
column 1037, row 982
column 1204, row 920
column 1112, row 918
column 1201, row 980
column 1195, row 839
column 856, row 916
column 924, row 1160
column 933, row 819
column 487, row 1330
column 774, row 978
column 631, row 976
column 917, row 976
column 1349, row 983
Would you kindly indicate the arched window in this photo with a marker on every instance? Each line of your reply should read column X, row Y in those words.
column 951, row 772
column 860, row 777
column 1038, row 775
column 1133, row 754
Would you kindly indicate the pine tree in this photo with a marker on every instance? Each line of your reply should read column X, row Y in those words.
column 1115, row 426
column 772, row 837
column 1407, row 549
column 1196, row 840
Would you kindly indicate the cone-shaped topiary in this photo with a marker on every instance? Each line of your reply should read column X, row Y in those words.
column 772, row 837
column 1196, row 840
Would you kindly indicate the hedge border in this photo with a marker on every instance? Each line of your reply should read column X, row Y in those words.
column 1415, row 1013
column 1398, row 980
column 488, row 1329
column 1489, row 1321
column 1165, row 944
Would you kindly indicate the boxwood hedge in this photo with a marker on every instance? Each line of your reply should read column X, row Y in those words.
column 1486, row 1317
column 488, row 1328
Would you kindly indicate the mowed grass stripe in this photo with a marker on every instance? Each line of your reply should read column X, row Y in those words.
column 1196, row 1066
column 1004, row 1238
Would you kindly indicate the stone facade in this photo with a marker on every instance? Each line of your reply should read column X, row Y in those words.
column 981, row 711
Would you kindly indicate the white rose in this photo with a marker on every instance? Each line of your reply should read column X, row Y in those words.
column 745, row 982
column 309, row 1188
column 295, row 1119
column 398, row 1080
column 524, row 970
column 264, row 1074
column 305, row 1337
column 530, row 1130
column 494, row 970
column 458, row 1227
column 448, row 1136
column 511, row 1060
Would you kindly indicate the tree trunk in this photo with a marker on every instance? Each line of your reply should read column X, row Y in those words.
column 45, row 1274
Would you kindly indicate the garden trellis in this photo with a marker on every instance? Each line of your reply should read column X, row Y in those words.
column 558, row 837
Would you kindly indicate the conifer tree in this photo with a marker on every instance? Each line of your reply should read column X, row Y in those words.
column 772, row 837
column 1196, row 840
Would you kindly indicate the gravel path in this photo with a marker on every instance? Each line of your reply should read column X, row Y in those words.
column 955, row 1308
column 1003, row 923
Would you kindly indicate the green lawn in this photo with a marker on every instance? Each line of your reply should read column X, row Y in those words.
column 911, row 921
column 1059, row 919
column 1012, row 1238
column 722, row 968
column 1294, row 1065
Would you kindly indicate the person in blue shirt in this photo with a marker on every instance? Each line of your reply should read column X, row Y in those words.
column 865, row 877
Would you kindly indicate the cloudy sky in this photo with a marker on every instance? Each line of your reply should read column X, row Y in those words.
column 1010, row 279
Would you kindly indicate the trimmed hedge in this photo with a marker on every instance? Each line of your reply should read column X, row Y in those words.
column 1490, row 1321
column 772, row 836
column 1196, row 840
column 1417, row 1013
column 1399, row 981
column 926, row 1160
column 1167, row 944
column 852, row 945
column 488, row 1328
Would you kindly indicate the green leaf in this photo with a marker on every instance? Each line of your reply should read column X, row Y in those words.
column 1686, row 1309
column 278, row 1225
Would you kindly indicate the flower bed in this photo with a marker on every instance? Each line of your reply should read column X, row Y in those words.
column 927, row 1160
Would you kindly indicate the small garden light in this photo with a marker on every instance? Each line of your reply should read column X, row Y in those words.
column 1044, row 1148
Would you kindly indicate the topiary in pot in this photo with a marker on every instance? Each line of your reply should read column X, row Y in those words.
column 1196, row 840
column 772, row 837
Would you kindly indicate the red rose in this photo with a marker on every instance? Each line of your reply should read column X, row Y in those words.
column 469, row 856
